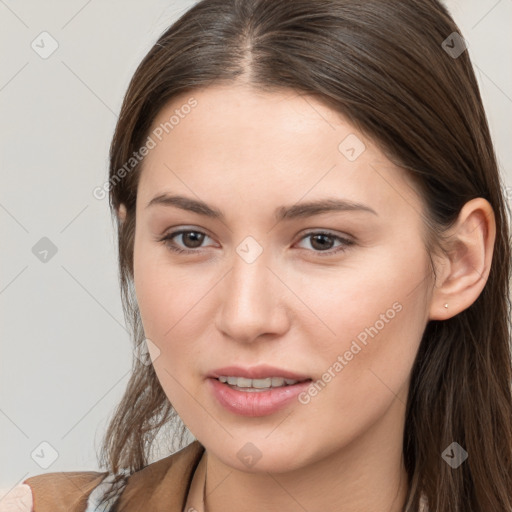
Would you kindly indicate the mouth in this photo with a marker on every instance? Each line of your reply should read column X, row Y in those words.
column 256, row 391
column 249, row 400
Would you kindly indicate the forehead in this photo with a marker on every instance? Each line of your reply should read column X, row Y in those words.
column 236, row 141
column 238, row 117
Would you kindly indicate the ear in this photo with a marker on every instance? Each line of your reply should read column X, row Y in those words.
column 121, row 213
column 464, row 269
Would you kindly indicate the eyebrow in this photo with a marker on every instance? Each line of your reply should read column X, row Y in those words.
column 300, row 210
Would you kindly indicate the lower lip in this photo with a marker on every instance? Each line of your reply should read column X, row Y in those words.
column 255, row 403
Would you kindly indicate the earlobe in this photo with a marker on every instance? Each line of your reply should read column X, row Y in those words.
column 467, row 262
column 121, row 213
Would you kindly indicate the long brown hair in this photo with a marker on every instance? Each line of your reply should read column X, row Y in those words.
column 386, row 66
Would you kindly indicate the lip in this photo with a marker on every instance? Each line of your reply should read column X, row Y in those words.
column 255, row 403
column 261, row 371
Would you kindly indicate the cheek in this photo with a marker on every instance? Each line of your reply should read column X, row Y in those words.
column 368, row 292
column 378, row 314
column 161, row 295
column 149, row 291
column 172, row 304
column 168, row 316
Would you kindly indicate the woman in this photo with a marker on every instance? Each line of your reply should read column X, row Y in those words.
column 314, row 250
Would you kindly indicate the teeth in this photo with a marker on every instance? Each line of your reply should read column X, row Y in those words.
column 278, row 381
column 269, row 382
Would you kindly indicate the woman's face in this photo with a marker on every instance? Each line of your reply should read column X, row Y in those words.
column 336, row 292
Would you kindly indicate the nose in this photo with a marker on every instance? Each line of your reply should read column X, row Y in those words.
column 253, row 301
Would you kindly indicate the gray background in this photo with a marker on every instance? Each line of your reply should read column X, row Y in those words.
column 65, row 354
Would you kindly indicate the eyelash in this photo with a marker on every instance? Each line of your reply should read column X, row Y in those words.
column 167, row 240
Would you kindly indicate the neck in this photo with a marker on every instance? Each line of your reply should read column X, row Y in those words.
column 366, row 475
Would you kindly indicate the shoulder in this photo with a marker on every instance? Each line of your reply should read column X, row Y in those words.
column 164, row 484
column 17, row 499
column 63, row 491
column 159, row 484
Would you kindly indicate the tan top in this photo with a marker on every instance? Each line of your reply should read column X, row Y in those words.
column 159, row 487
column 173, row 484
column 195, row 499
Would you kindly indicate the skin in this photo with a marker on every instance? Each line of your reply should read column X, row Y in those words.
column 247, row 153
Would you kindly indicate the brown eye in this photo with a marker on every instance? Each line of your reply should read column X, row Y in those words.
column 190, row 239
column 323, row 243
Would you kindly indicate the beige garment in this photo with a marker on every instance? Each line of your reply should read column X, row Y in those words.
column 161, row 486
column 51, row 492
column 195, row 496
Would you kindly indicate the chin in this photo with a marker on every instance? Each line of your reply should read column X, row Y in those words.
column 260, row 455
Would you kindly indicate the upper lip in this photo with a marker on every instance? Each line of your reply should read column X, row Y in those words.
column 256, row 372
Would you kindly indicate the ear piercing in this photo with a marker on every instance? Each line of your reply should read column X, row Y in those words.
column 446, row 306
